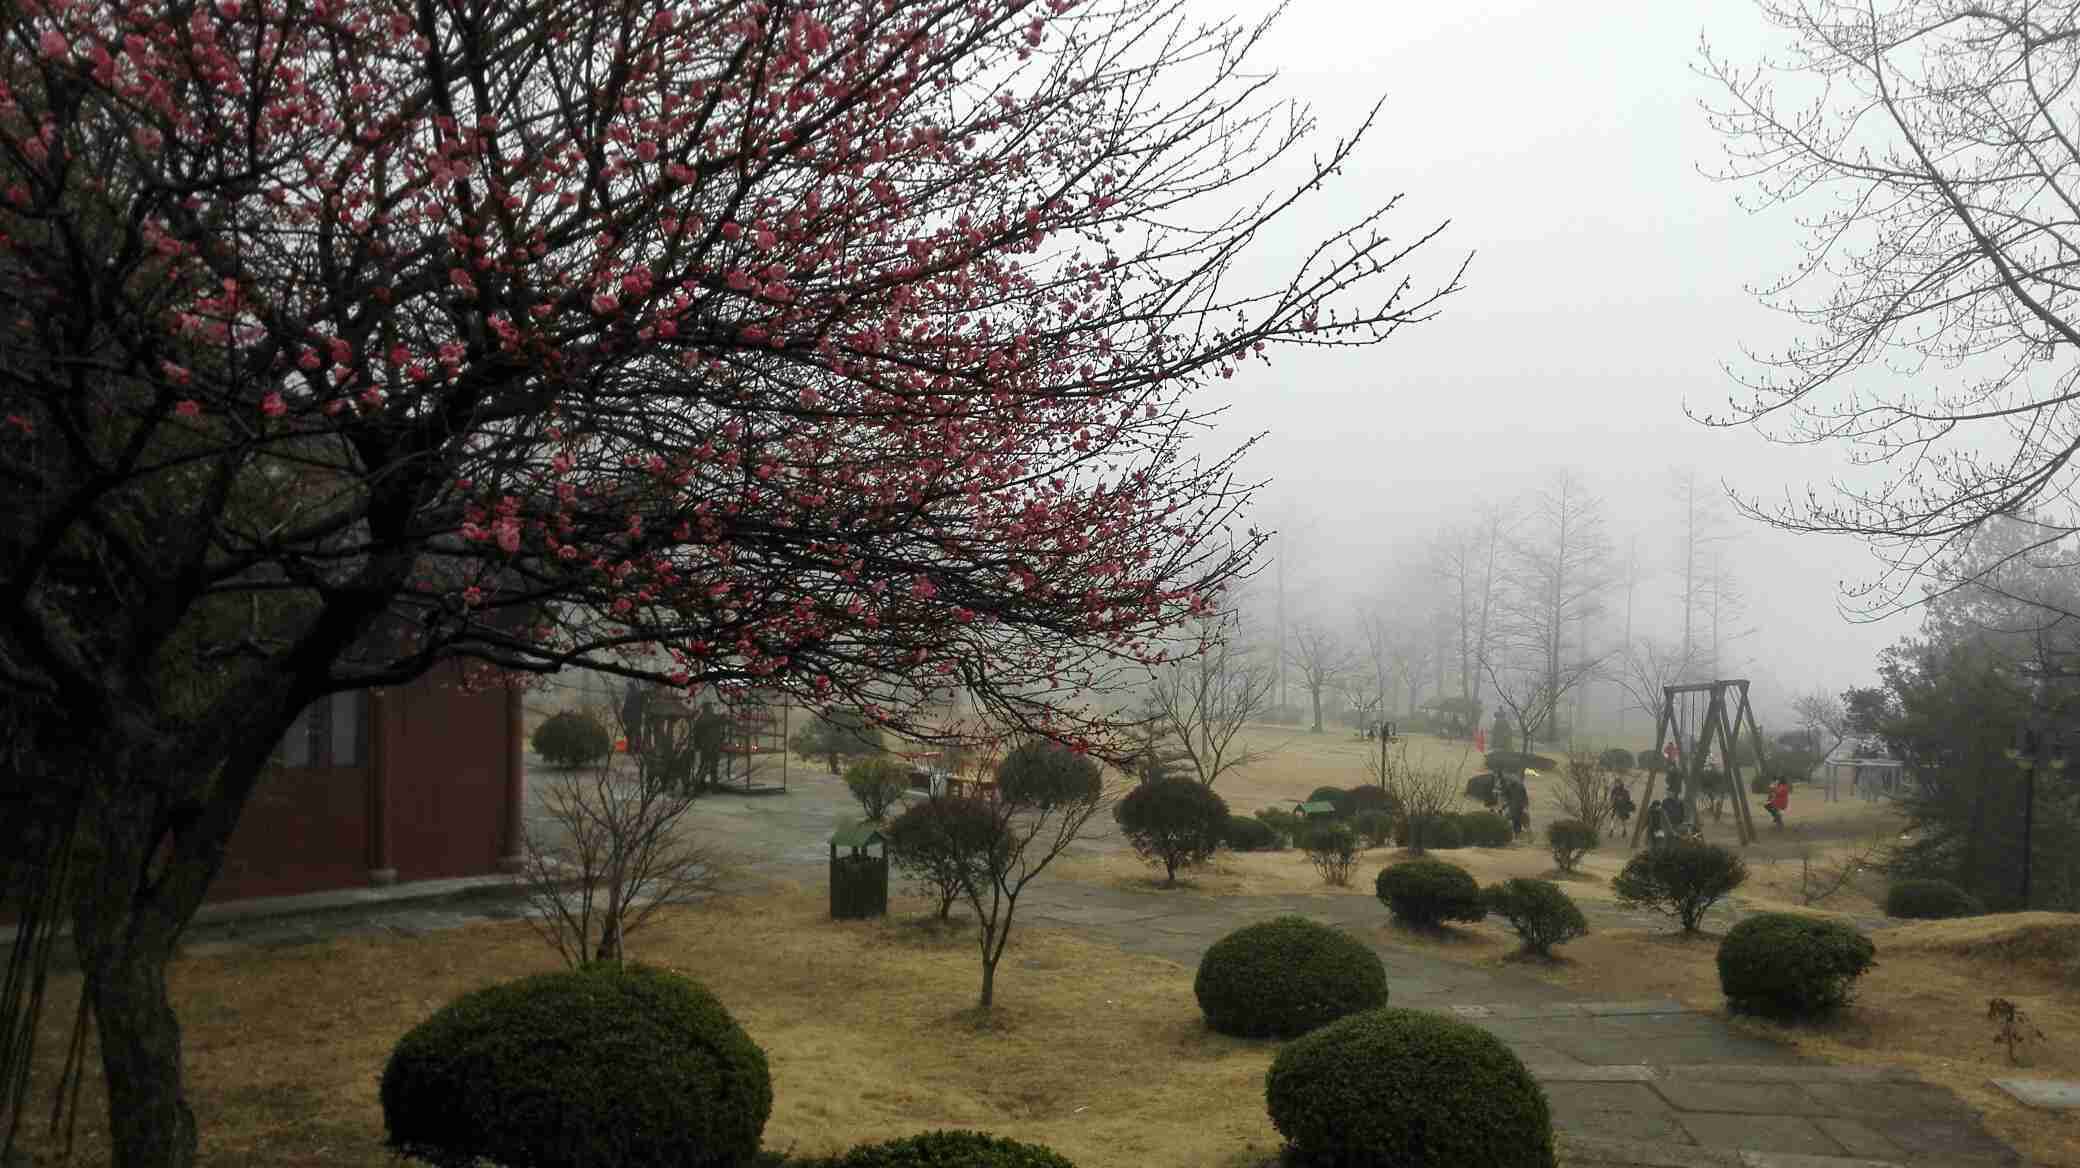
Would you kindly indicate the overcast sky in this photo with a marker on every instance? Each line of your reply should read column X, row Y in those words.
column 1564, row 142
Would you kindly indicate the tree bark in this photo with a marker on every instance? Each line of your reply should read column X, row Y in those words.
column 151, row 1124
column 126, row 920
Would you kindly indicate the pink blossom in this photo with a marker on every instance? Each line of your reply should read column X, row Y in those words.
column 147, row 139
column 606, row 304
column 472, row 596
column 508, row 530
column 272, row 405
column 188, row 409
column 178, row 374
column 54, row 45
column 646, row 150
column 35, row 150
column 308, row 359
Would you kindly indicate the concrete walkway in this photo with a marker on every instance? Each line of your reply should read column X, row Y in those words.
column 1631, row 1083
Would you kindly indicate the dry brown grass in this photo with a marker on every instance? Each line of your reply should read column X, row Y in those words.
column 869, row 1028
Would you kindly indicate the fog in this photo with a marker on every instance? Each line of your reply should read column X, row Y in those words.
column 1564, row 142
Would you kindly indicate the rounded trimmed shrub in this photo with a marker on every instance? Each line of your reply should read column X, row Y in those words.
column 943, row 1149
column 571, row 739
column 1791, row 966
column 1482, row 789
column 1286, row 976
column 1682, row 879
column 1542, row 914
column 1044, row 774
column 1429, row 892
column 1617, row 758
column 1485, row 829
column 1336, row 796
column 590, row 1068
column 1930, row 900
column 1394, row 1088
column 1651, row 761
column 1369, row 798
column 1245, row 834
column 1175, row 823
column 1444, row 834
column 1570, row 840
column 1374, row 827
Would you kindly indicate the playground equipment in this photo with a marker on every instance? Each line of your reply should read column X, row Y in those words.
column 1693, row 718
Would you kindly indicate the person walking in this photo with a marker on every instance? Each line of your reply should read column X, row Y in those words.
column 1621, row 802
column 1672, row 815
column 1657, row 827
column 1779, row 801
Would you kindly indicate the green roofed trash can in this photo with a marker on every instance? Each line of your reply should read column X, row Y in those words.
column 859, row 878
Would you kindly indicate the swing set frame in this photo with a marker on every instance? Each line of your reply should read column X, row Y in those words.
column 1722, row 722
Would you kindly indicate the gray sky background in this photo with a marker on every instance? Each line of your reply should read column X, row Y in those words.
column 1564, row 141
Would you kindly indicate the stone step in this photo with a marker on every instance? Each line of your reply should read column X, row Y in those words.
column 1720, row 1073
column 1601, row 1152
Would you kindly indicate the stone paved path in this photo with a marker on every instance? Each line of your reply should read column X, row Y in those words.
column 1631, row 1083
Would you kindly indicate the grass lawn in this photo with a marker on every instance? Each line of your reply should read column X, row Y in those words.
column 869, row 1026
column 1095, row 1052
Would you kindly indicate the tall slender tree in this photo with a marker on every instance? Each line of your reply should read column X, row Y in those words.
column 1560, row 572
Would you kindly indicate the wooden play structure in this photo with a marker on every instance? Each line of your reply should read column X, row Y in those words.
column 1694, row 718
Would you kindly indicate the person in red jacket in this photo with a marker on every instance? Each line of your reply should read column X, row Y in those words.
column 1779, row 801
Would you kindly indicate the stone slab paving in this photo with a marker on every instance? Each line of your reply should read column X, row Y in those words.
column 2050, row 1094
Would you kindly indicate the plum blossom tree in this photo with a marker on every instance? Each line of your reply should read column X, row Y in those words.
column 841, row 347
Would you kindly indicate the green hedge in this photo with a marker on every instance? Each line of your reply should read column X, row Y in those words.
column 1682, row 879
column 1794, row 966
column 600, row 1067
column 1245, row 834
column 1485, row 829
column 571, row 739
column 1542, row 914
column 1570, row 840
column 1286, row 976
column 1930, row 900
column 1429, row 892
column 1394, row 1088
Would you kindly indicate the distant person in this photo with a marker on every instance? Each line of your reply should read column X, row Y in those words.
column 1779, row 801
column 1519, row 802
column 709, row 729
column 1672, row 811
column 635, row 703
column 1657, row 827
column 1621, row 802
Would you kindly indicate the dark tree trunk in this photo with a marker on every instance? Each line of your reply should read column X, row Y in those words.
column 127, row 915
column 151, row 1124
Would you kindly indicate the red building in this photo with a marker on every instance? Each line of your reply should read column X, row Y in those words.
column 372, row 787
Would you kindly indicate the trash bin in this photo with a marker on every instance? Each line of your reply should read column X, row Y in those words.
column 859, row 878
